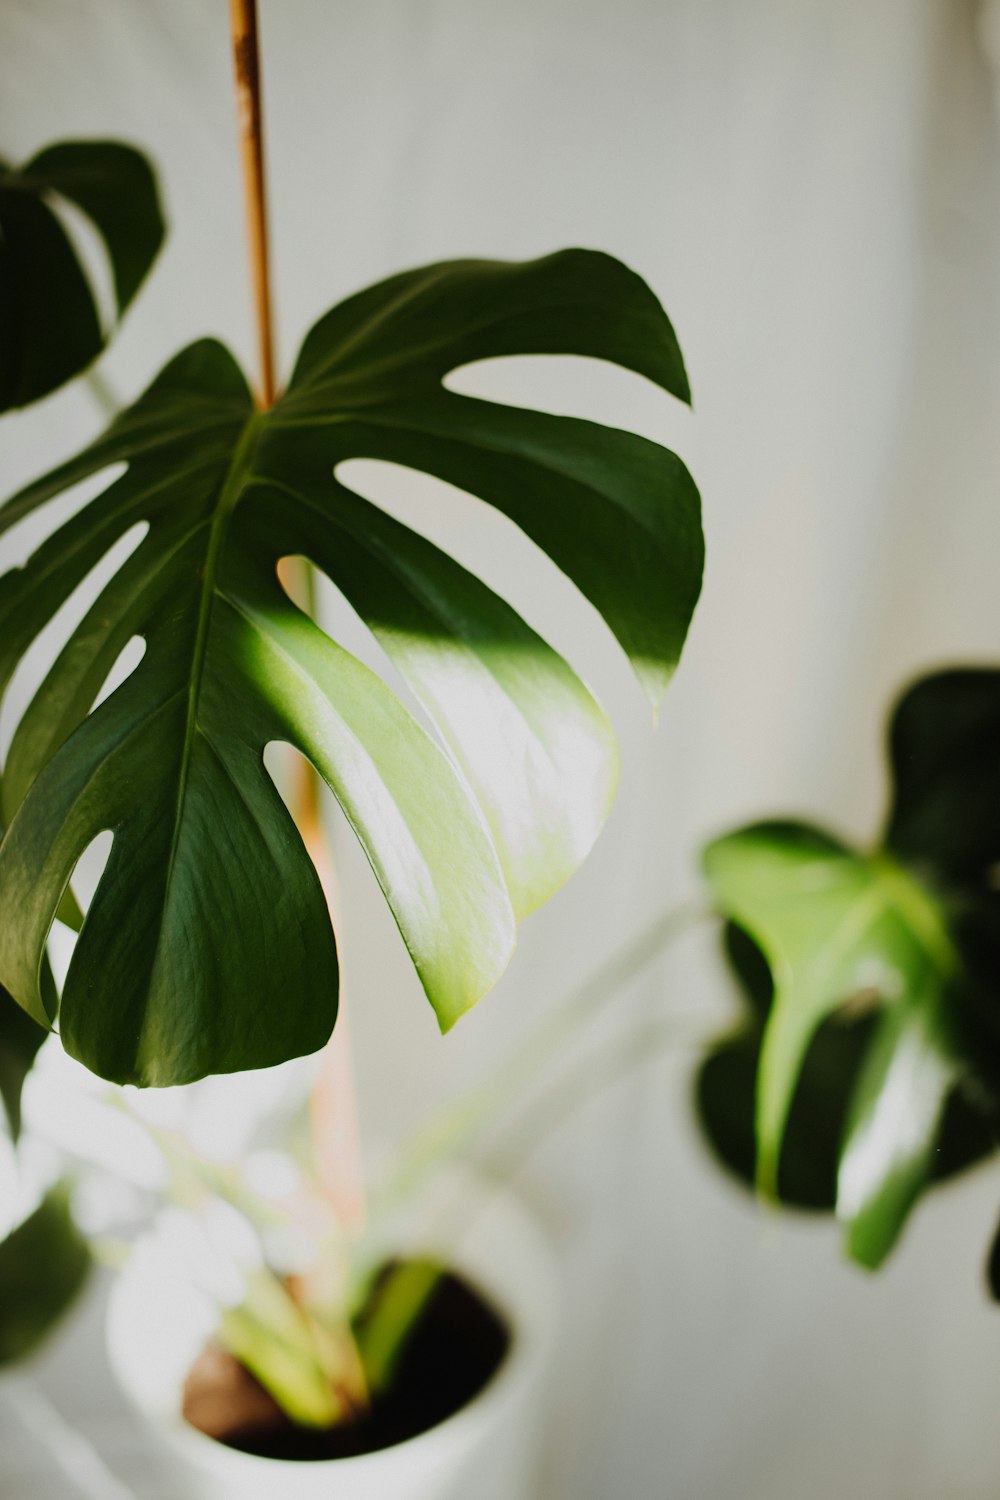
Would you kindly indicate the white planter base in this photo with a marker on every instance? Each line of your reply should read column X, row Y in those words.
column 157, row 1325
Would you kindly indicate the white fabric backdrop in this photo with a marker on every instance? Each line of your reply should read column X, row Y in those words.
column 812, row 188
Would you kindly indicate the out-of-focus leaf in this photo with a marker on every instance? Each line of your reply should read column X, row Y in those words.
column 726, row 1086
column 818, row 1119
column 50, row 329
column 43, row 1266
column 207, row 946
column 911, row 931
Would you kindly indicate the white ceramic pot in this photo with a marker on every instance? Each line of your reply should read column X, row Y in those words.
column 157, row 1325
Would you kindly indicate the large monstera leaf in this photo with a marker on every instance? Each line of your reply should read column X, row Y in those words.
column 50, row 327
column 872, row 1064
column 207, row 946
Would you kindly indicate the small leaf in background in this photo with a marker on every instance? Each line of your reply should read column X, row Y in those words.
column 814, row 1136
column 834, row 926
column 207, row 946
column 907, row 938
column 43, row 1266
column 50, row 329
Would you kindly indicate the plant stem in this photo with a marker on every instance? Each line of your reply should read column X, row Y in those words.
column 546, row 1043
column 409, row 1287
column 246, row 58
column 334, row 1108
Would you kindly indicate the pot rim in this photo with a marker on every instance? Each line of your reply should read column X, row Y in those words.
column 527, row 1312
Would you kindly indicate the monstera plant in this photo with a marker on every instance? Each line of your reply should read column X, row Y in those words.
column 208, row 907
column 868, row 1063
column 207, row 945
column 51, row 331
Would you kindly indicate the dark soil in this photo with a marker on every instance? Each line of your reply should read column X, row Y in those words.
column 456, row 1348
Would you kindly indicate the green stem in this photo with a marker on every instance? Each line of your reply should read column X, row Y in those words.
column 406, row 1291
column 103, row 393
column 408, row 1288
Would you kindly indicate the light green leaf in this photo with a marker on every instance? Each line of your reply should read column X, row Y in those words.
column 896, row 1113
column 835, row 927
column 900, row 1139
column 281, row 1345
column 207, row 946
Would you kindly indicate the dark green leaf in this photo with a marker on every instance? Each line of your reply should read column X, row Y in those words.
column 208, row 946
column 945, row 751
column 20, row 1039
column 43, row 1266
column 49, row 325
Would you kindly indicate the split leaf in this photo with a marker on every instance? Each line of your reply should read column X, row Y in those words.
column 207, row 946
column 905, row 936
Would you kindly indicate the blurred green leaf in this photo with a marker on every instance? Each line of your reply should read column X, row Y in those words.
column 944, row 745
column 905, row 938
column 726, row 1087
column 49, row 324
column 43, row 1266
column 817, row 1122
column 20, row 1039
column 833, row 926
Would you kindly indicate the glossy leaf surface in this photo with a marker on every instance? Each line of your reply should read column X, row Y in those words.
column 50, row 327
column 207, row 946
column 43, row 1266
column 906, row 934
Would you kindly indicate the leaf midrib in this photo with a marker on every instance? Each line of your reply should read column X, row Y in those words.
column 232, row 487
column 890, row 893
